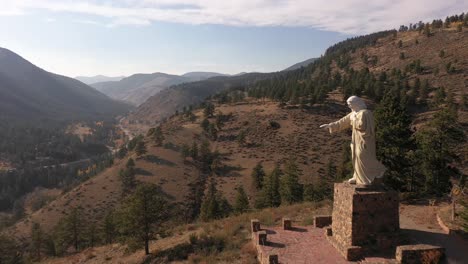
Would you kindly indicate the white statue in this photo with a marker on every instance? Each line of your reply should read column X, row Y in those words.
column 366, row 166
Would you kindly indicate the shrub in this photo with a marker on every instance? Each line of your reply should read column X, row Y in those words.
column 274, row 124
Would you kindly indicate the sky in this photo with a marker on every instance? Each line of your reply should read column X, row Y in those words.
column 113, row 38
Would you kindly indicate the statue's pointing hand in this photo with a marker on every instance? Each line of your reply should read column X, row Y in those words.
column 325, row 126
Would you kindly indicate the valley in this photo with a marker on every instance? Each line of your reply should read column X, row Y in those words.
column 218, row 150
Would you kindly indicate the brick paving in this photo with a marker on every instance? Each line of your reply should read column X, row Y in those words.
column 305, row 245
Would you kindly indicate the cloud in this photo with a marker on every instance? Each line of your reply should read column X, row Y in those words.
column 87, row 22
column 345, row 16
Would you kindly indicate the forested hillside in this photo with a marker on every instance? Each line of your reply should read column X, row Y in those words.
column 255, row 143
column 30, row 93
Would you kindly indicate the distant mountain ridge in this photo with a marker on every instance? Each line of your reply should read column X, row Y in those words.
column 29, row 92
column 300, row 64
column 136, row 88
column 98, row 78
column 166, row 102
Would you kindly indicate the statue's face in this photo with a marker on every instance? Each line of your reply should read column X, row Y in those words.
column 352, row 105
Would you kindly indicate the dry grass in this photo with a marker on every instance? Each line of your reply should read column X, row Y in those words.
column 232, row 232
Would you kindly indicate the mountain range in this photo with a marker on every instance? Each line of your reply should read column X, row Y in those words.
column 98, row 78
column 29, row 92
column 136, row 88
column 301, row 64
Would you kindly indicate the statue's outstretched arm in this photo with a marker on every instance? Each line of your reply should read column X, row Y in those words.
column 339, row 125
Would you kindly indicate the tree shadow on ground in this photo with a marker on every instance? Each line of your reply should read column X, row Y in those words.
column 143, row 172
column 229, row 171
column 165, row 195
column 160, row 161
column 172, row 146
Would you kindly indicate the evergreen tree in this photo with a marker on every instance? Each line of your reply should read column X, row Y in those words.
column 72, row 229
column 423, row 92
column 37, row 237
column 241, row 137
column 270, row 195
column 133, row 143
column 209, row 109
column 242, row 201
column 9, row 251
column 214, row 205
column 435, row 154
column 309, row 193
column 130, row 163
column 194, row 199
column 109, row 228
column 185, row 151
column 143, row 213
column 158, row 136
column 393, row 139
column 205, row 156
column 205, row 124
column 258, row 174
column 345, row 168
column 90, row 234
column 140, row 148
column 291, row 189
column 212, row 132
column 194, row 151
column 122, row 152
column 127, row 176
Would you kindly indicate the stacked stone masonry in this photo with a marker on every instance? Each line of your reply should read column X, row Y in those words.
column 415, row 254
column 365, row 219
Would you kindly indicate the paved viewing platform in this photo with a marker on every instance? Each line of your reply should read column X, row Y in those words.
column 301, row 245
column 364, row 228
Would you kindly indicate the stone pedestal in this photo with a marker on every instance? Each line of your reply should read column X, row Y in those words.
column 364, row 219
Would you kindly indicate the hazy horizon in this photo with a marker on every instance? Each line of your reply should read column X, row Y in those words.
column 120, row 38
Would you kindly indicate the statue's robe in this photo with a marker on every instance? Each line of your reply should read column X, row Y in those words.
column 365, row 164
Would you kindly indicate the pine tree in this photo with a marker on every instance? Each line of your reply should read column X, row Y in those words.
column 435, row 154
column 122, row 152
column 185, row 151
column 205, row 153
column 212, row 132
column 109, row 228
column 345, row 168
column 214, row 205
column 130, row 163
column 242, row 201
column 158, row 136
column 194, row 151
column 270, row 195
column 90, row 234
column 291, row 189
column 309, row 193
column 143, row 213
column 393, row 139
column 241, row 137
column 37, row 237
column 9, row 250
column 140, row 148
column 74, row 227
column 209, row 109
column 258, row 174
column 205, row 124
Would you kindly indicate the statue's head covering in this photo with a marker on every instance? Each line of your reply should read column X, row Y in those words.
column 357, row 101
